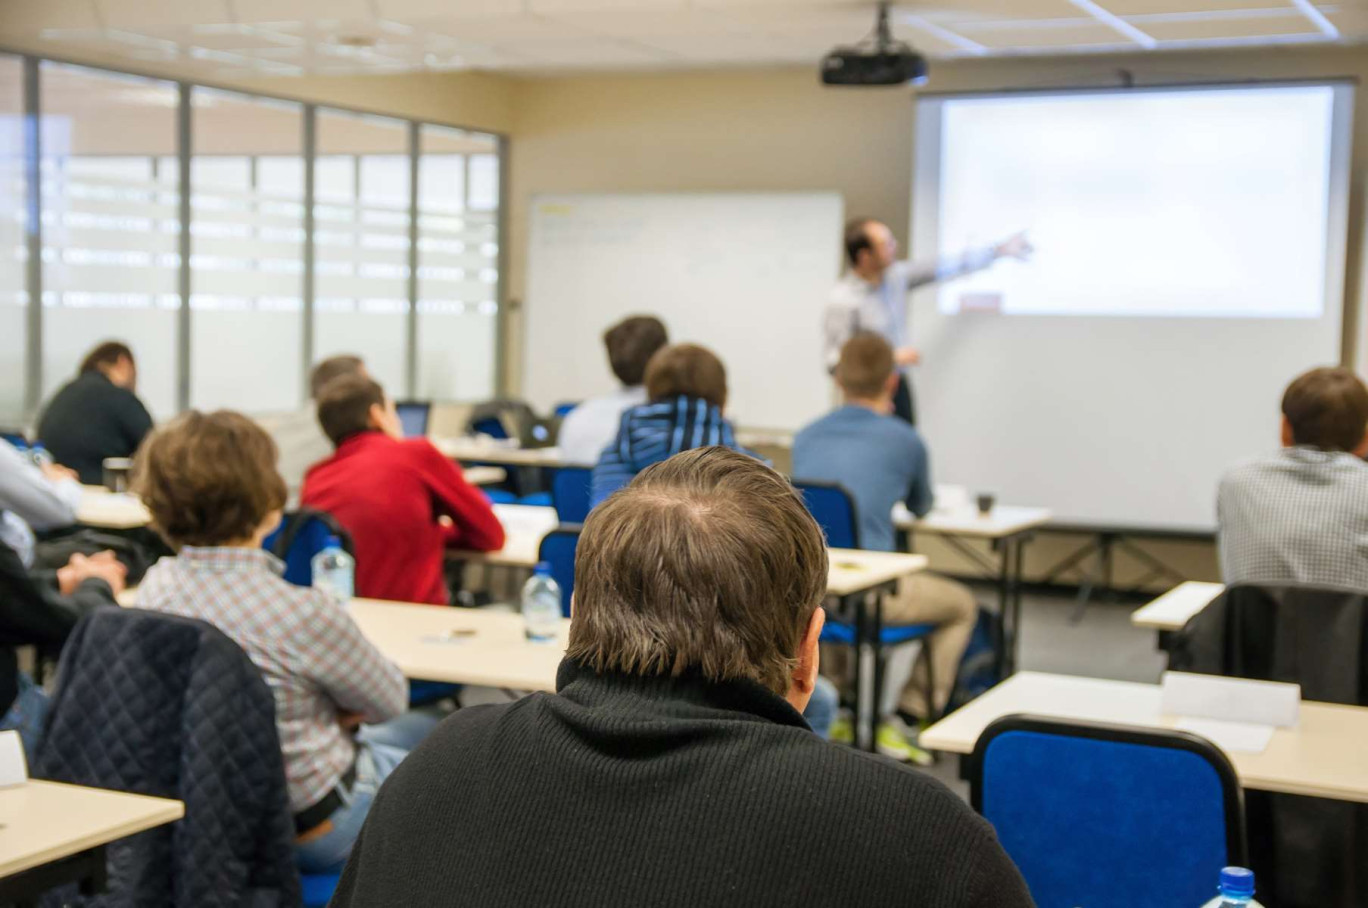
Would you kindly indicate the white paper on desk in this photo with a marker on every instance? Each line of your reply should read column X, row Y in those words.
column 1230, row 699
column 950, row 498
column 1232, row 737
column 13, row 767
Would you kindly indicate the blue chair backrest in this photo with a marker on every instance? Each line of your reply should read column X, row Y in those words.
column 301, row 535
column 834, row 510
column 563, row 409
column 570, row 493
column 1107, row 816
column 491, row 426
column 413, row 416
column 558, row 549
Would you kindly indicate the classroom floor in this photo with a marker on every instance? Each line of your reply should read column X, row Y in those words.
column 1102, row 645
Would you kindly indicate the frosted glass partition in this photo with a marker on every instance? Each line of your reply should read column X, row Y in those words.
column 110, row 224
column 458, row 249
column 361, row 243
column 246, row 253
column 13, row 250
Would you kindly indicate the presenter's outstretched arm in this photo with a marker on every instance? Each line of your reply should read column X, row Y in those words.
column 949, row 267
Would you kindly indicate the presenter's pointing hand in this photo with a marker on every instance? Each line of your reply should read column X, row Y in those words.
column 907, row 356
column 1015, row 246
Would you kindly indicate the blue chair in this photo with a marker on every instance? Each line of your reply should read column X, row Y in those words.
column 318, row 888
column 1108, row 816
column 834, row 510
column 301, row 535
column 536, row 499
column 491, row 426
column 570, row 493
column 563, row 408
column 558, row 550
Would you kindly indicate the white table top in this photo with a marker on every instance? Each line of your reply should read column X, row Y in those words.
column 850, row 571
column 1173, row 609
column 489, row 451
column 1002, row 521
column 484, row 476
column 106, row 510
column 1321, row 757
column 41, row 822
column 490, row 648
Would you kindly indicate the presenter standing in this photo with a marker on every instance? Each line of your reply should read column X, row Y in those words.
column 872, row 296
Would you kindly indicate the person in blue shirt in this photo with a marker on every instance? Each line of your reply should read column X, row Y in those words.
column 686, row 389
column 881, row 460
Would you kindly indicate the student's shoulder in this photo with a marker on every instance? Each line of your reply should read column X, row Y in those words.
column 1250, row 471
column 456, row 747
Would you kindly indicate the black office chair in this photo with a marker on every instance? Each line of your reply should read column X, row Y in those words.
column 1304, row 851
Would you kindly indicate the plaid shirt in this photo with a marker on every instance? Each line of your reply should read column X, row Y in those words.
column 1299, row 516
column 309, row 650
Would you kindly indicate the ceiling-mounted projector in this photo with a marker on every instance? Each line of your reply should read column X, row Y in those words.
column 877, row 60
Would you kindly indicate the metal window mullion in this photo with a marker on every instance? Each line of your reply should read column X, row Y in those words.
column 500, row 281
column 411, row 380
column 183, row 152
column 310, row 148
column 33, row 203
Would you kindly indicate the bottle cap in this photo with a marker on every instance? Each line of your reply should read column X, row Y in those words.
column 543, row 569
column 1237, row 881
column 333, row 543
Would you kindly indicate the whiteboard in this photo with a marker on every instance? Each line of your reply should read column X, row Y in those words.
column 745, row 274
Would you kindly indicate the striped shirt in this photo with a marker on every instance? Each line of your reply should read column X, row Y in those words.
column 1299, row 516
column 309, row 650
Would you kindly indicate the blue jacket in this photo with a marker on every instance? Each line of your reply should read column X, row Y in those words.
column 657, row 431
column 168, row 706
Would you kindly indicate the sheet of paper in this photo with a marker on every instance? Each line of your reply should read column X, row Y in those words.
column 13, row 767
column 1230, row 699
column 1232, row 737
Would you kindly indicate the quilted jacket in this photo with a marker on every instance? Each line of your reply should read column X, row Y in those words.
column 169, row 706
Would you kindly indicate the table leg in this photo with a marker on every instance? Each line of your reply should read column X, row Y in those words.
column 87, row 868
column 1008, row 642
column 864, row 737
column 876, row 654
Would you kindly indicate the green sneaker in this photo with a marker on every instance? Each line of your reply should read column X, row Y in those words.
column 842, row 729
column 891, row 741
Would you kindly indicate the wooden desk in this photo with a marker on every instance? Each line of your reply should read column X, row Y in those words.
column 1171, row 611
column 854, row 571
column 473, row 450
column 52, row 834
column 1007, row 529
column 104, row 509
column 484, row 476
column 1322, row 757
column 495, row 653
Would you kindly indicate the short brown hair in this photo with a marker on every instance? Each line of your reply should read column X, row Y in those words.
column 208, row 478
column 1327, row 408
column 631, row 343
column 344, row 408
column 331, row 368
column 105, row 354
column 707, row 562
column 687, row 369
column 857, row 238
column 865, row 365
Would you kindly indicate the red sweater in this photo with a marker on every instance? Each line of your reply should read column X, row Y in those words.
column 389, row 494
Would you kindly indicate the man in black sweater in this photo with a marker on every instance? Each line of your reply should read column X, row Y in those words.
column 673, row 766
column 97, row 415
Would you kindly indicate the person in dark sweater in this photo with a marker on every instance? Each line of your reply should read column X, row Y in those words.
column 97, row 415
column 672, row 767
column 39, row 608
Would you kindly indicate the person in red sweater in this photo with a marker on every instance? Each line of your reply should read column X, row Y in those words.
column 402, row 502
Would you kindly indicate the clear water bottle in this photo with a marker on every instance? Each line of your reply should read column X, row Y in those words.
column 334, row 571
column 1236, row 890
column 541, row 605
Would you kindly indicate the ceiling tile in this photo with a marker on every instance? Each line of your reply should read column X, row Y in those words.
column 994, row 10
column 593, row 51
column 649, row 23
column 1142, row 7
column 21, row 15
column 255, row 11
column 1199, row 29
column 501, row 29
column 1055, row 33
column 135, row 14
column 405, row 10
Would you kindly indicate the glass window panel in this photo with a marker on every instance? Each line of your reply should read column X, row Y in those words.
column 361, row 242
column 458, row 197
column 246, row 253
column 13, row 245
column 110, row 224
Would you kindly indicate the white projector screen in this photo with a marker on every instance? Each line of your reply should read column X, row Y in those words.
column 1188, row 261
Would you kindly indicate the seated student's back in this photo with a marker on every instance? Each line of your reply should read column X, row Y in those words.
column 1300, row 514
column 673, row 767
column 96, row 415
column 588, row 428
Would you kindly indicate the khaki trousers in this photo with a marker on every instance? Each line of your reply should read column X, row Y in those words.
column 923, row 599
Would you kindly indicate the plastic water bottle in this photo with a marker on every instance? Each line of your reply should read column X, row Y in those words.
column 334, row 571
column 1236, row 891
column 541, row 605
